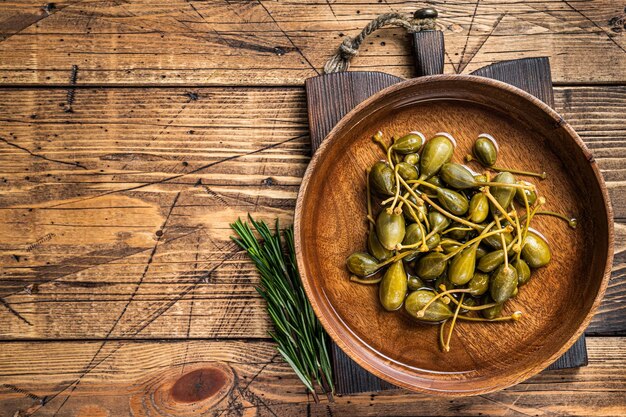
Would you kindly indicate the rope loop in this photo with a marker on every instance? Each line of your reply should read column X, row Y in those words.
column 424, row 19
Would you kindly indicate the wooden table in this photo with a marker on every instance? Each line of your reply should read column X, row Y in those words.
column 133, row 132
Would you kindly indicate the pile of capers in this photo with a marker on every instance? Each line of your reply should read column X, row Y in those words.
column 448, row 242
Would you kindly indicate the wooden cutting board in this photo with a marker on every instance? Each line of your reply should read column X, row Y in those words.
column 331, row 96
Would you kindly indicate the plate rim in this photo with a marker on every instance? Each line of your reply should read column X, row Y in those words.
column 560, row 123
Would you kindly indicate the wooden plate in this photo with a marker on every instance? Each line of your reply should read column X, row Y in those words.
column 558, row 302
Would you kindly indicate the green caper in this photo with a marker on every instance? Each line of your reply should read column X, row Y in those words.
column 390, row 229
column 457, row 231
column 412, row 158
column 383, row 179
column 412, row 235
column 478, row 208
column 393, row 286
column 437, row 151
column 376, row 249
column 480, row 252
column 453, row 201
column 502, row 194
column 503, row 283
column 436, row 180
column 457, row 176
column 443, row 280
column 431, row 265
column 436, row 312
column 523, row 271
column 407, row 171
column 408, row 144
column 531, row 195
column 414, row 282
column 470, row 302
column 433, row 241
column 491, row 261
column 495, row 241
column 421, row 211
column 491, row 312
column 462, row 266
column 448, row 245
column 362, row 264
column 480, row 178
column 438, row 221
column 536, row 251
column 485, row 150
column 479, row 284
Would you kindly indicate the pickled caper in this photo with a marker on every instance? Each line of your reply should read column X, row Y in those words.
column 390, row 229
column 393, row 286
column 437, row 151
column 536, row 251
column 450, row 237
column 485, row 150
column 437, row 311
column 383, row 179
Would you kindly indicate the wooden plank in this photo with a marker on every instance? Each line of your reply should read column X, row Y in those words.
column 76, row 266
column 190, row 378
column 266, row 42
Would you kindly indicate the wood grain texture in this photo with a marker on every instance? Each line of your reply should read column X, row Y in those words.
column 71, row 269
column 152, row 378
column 265, row 42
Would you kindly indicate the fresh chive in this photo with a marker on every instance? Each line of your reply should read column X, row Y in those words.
column 300, row 337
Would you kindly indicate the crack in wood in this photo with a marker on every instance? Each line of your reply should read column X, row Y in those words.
column 467, row 38
column 36, row 155
column 608, row 35
column 136, row 330
column 130, row 300
column 14, row 312
column 484, row 40
column 177, row 176
column 288, row 37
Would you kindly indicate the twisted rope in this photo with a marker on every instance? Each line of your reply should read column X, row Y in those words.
column 350, row 46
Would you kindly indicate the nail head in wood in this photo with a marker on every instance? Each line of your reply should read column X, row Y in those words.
column 426, row 13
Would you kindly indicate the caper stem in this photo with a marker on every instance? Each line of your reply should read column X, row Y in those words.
column 504, row 247
column 450, row 215
column 389, row 158
column 394, row 258
column 478, row 238
column 422, row 311
column 515, row 317
column 395, row 197
column 522, row 237
column 441, row 330
column 529, row 216
column 500, row 184
column 542, row 175
column 446, row 213
column 453, row 229
column 571, row 221
column 456, row 314
column 498, row 206
column 427, row 184
column 366, row 281
column 474, row 308
column 372, row 222
column 518, row 235
column 417, row 220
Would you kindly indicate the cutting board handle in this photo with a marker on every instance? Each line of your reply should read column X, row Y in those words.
column 428, row 47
